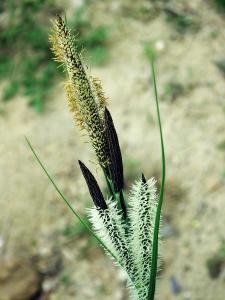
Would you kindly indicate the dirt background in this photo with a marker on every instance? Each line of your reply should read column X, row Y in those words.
column 39, row 254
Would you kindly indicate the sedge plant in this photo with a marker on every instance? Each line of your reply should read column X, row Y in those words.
column 127, row 229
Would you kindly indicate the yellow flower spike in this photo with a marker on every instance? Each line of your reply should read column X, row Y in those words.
column 85, row 96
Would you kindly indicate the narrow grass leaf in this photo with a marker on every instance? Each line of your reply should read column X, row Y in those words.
column 153, row 273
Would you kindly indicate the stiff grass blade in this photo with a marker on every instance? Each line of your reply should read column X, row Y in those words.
column 154, row 262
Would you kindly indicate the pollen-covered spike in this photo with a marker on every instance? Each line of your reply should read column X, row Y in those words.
column 116, row 163
column 86, row 107
column 93, row 187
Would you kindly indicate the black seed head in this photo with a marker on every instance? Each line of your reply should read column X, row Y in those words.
column 116, row 163
column 93, row 187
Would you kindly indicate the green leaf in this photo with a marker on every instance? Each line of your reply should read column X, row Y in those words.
column 153, row 273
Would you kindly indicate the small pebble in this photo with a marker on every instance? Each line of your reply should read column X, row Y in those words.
column 187, row 295
column 1, row 241
column 175, row 287
column 49, row 285
column 160, row 45
column 122, row 276
column 167, row 230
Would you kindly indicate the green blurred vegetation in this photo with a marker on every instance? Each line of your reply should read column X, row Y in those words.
column 220, row 64
column 220, row 4
column 182, row 21
column 173, row 89
column 25, row 57
column 216, row 262
column 150, row 51
column 92, row 39
column 78, row 229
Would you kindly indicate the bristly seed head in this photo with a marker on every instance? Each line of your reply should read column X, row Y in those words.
column 93, row 187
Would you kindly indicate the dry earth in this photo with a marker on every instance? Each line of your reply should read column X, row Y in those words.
column 32, row 215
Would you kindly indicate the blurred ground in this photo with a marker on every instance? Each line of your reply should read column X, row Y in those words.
column 38, row 239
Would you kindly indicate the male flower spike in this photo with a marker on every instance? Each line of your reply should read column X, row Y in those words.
column 85, row 98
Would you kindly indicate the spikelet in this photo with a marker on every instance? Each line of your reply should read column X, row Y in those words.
column 73, row 104
column 99, row 94
column 131, row 242
column 142, row 212
column 93, row 187
column 85, row 103
column 56, row 47
column 110, row 227
column 116, row 162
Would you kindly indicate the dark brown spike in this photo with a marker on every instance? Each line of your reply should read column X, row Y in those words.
column 144, row 183
column 93, row 187
column 143, row 178
column 116, row 163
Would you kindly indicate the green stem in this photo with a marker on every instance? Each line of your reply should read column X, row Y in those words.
column 123, row 204
column 118, row 196
column 108, row 182
column 153, row 273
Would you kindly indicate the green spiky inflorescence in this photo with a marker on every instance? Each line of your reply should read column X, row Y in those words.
column 111, row 228
column 131, row 244
column 142, row 212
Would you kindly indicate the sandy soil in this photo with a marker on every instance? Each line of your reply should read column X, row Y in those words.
column 33, row 217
